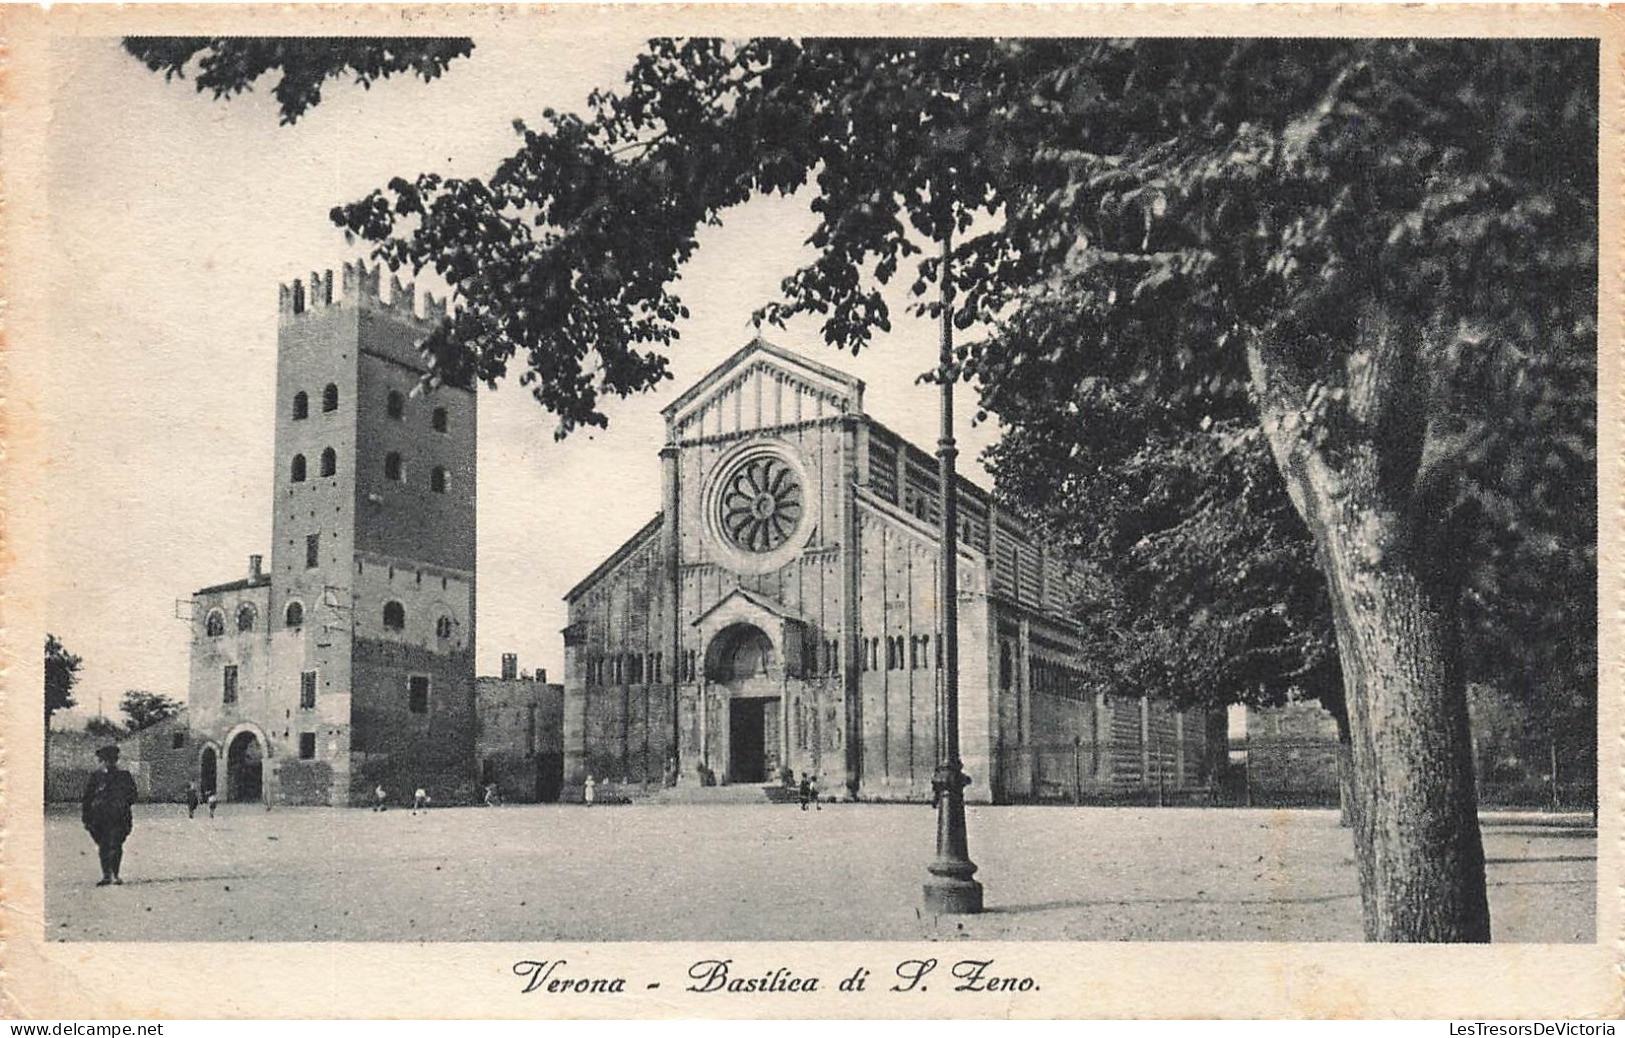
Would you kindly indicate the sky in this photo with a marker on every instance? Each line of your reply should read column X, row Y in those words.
column 172, row 220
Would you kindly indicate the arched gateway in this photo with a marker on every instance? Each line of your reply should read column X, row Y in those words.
column 244, row 768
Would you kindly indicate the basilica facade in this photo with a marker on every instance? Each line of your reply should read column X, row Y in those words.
column 781, row 614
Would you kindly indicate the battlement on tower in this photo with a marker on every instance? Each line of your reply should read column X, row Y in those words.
column 360, row 286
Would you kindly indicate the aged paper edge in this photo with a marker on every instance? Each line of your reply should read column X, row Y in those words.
column 403, row 981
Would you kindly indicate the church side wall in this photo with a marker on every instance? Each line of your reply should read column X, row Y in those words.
column 618, row 674
column 901, row 664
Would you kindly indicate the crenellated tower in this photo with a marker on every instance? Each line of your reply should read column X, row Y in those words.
column 362, row 673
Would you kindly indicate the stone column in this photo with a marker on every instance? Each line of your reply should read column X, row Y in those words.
column 851, row 577
column 784, row 726
column 671, row 559
column 703, row 703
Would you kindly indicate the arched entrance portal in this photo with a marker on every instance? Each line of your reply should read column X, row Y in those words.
column 740, row 661
column 208, row 779
column 243, row 767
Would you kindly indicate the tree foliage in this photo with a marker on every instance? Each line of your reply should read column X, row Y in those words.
column 145, row 709
column 228, row 66
column 1202, row 581
column 61, row 674
column 104, row 728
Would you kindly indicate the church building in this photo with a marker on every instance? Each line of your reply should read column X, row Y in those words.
column 781, row 615
column 349, row 662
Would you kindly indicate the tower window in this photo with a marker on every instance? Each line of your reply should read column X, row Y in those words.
column 330, row 397
column 307, row 745
column 417, row 693
column 313, row 550
column 177, row 740
column 215, row 625
column 295, row 614
column 296, row 471
column 394, row 616
column 307, row 690
column 437, row 480
column 301, row 405
column 245, row 617
column 442, row 627
column 330, row 461
column 392, row 466
column 228, row 684
column 397, row 404
column 440, row 419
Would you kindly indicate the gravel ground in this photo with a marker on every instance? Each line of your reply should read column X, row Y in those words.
column 764, row 872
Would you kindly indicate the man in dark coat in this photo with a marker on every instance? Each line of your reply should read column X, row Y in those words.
column 106, row 812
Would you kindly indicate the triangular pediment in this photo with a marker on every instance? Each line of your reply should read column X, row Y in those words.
column 740, row 605
column 762, row 386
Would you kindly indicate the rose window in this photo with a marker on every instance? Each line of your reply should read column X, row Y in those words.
column 760, row 504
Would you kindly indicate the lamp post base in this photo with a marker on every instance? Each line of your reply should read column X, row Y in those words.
column 949, row 895
column 950, row 890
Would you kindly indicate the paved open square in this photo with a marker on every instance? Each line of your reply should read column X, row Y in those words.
column 764, row 872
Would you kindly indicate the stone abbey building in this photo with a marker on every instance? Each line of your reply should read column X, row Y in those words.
column 349, row 661
column 781, row 612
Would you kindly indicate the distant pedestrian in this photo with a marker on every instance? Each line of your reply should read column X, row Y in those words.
column 214, row 798
column 105, row 812
column 586, row 792
column 805, row 790
column 192, row 799
column 817, row 804
column 493, row 796
column 420, row 800
column 378, row 798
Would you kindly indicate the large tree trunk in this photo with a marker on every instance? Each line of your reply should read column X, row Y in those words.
column 1414, row 807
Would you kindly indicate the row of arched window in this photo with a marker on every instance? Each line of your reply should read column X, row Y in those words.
column 394, row 618
column 626, row 668
column 394, row 469
column 215, row 625
column 397, row 410
column 395, row 472
column 395, row 405
column 917, row 656
column 301, row 401
column 330, row 464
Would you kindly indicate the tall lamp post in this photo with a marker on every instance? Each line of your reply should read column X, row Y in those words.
column 950, row 890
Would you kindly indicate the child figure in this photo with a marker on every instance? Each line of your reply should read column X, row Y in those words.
column 420, row 800
column 214, row 798
column 586, row 792
column 378, row 798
